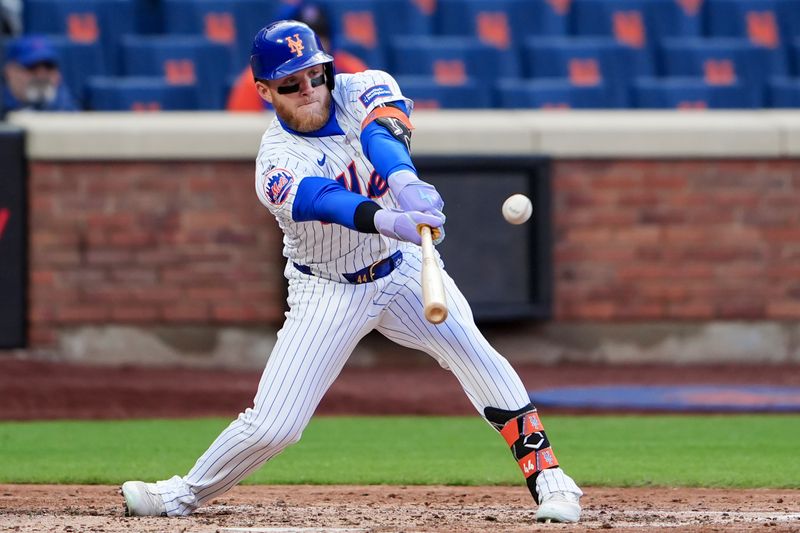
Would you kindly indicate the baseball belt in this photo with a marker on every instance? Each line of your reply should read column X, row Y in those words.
column 376, row 270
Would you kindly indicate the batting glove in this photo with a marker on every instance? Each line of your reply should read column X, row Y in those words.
column 402, row 225
column 413, row 194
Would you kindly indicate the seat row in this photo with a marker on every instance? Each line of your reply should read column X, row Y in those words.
column 152, row 94
column 209, row 68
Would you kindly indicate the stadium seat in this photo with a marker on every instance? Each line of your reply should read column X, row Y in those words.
column 638, row 23
column 139, row 94
column 427, row 94
column 795, row 49
column 587, row 61
column 551, row 94
column 84, row 21
column 374, row 58
column 758, row 21
column 789, row 20
column 181, row 60
column 406, row 17
column 784, row 92
column 501, row 23
column 149, row 16
column 451, row 60
column 691, row 93
column 232, row 23
column 78, row 62
column 722, row 61
column 356, row 21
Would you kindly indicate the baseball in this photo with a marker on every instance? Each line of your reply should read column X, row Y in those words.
column 517, row 209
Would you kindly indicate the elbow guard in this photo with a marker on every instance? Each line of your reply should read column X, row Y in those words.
column 392, row 117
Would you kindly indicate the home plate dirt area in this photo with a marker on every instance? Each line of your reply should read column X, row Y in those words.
column 27, row 508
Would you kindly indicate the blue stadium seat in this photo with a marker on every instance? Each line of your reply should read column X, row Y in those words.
column 638, row 23
column 550, row 94
column 501, row 23
column 691, row 93
column 78, row 62
column 181, row 60
column 356, row 21
column 789, row 20
column 795, row 49
column 373, row 58
column 427, row 94
column 232, row 23
column 451, row 60
column 587, row 61
column 406, row 17
column 721, row 61
column 149, row 16
column 758, row 21
column 84, row 21
column 784, row 92
column 138, row 94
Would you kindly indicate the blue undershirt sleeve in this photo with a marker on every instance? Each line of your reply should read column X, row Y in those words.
column 386, row 153
column 325, row 200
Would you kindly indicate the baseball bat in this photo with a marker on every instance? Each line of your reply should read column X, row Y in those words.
column 433, row 298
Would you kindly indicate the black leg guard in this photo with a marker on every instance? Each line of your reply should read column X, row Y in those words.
column 529, row 444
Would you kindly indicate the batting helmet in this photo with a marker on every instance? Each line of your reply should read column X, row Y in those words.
column 285, row 47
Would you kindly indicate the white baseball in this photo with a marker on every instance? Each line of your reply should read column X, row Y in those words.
column 517, row 209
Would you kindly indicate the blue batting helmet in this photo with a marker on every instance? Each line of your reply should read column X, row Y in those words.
column 285, row 47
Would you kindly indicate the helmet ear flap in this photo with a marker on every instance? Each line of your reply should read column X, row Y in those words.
column 330, row 75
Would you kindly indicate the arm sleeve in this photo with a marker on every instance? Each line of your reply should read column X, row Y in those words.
column 326, row 200
column 386, row 153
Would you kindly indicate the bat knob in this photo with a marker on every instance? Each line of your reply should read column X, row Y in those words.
column 436, row 313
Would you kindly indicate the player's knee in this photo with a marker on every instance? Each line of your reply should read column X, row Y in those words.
column 275, row 437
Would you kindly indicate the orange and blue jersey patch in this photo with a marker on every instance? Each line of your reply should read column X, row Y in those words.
column 277, row 184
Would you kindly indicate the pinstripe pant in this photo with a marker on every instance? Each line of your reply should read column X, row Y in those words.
column 325, row 322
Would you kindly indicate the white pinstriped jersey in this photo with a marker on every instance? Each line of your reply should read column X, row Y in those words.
column 284, row 159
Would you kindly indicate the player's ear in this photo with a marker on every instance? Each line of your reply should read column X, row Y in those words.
column 263, row 91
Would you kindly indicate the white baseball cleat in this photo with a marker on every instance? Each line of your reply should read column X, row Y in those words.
column 142, row 499
column 560, row 506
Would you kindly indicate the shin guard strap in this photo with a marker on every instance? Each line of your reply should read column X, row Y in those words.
column 528, row 442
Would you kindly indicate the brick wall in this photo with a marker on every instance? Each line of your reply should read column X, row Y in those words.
column 188, row 243
column 650, row 240
column 149, row 243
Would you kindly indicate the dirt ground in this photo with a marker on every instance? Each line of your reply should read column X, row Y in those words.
column 44, row 390
column 29, row 508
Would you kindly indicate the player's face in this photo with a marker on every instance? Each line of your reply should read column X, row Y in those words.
column 302, row 100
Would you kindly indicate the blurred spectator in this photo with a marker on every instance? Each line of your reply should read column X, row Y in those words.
column 33, row 78
column 10, row 17
column 244, row 96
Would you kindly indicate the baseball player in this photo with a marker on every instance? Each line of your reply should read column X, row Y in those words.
column 334, row 169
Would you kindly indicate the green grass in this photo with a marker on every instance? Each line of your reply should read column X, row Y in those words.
column 702, row 451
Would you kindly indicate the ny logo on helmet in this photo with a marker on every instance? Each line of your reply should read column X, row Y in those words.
column 296, row 44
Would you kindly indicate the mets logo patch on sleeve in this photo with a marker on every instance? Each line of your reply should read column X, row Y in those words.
column 277, row 184
column 371, row 94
